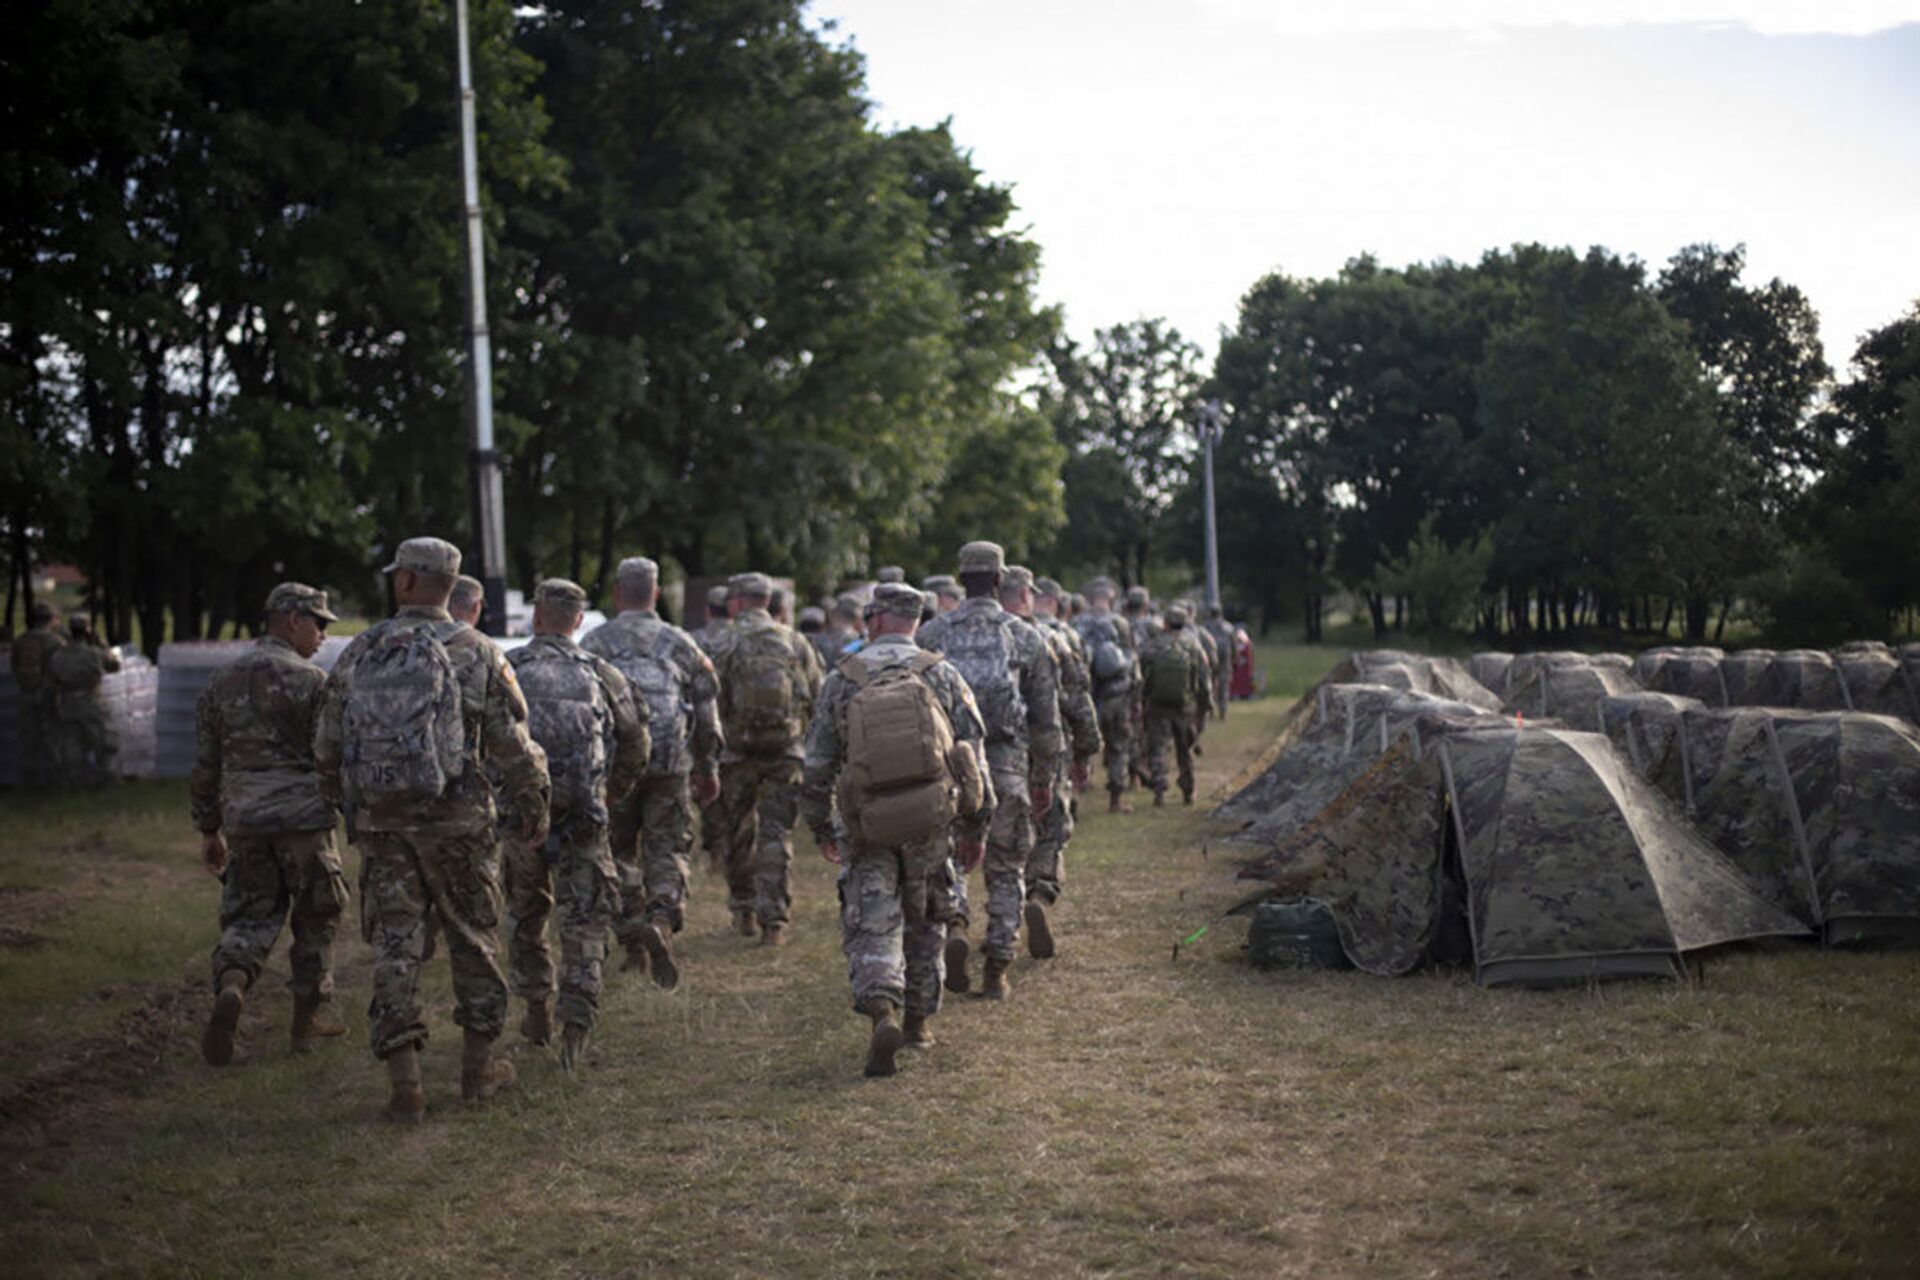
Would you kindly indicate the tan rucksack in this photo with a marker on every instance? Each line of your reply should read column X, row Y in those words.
column 905, row 777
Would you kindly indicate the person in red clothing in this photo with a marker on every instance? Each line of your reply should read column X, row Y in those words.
column 1242, row 686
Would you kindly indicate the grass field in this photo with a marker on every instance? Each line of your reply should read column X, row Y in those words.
column 1126, row 1113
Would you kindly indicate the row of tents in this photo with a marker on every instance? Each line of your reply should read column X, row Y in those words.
column 1549, row 818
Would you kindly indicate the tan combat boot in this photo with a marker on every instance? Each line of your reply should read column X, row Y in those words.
column 957, row 980
column 216, row 1044
column 993, row 983
column 406, row 1100
column 1159, row 799
column 886, row 1041
column 573, row 1046
column 658, row 941
column 314, row 1021
column 774, row 935
column 1116, row 805
column 918, row 1035
column 537, row 1026
column 636, row 961
column 481, row 1074
column 743, row 922
column 1039, row 931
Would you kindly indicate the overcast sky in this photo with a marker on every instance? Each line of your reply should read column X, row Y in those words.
column 1166, row 154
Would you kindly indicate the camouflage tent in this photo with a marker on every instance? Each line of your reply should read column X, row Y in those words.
column 1821, row 810
column 1874, row 681
column 1802, row 678
column 1570, row 692
column 1415, row 673
column 1690, row 672
column 1490, row 669
column 1535, row 852
column 1741, row 675
column 1526, row 668
column 1643, row 727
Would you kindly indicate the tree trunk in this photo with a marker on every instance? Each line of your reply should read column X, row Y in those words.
column 1399, row 613
column 1698, row 607
column 1377, row 609
column 604, row 575
column 1720, row 628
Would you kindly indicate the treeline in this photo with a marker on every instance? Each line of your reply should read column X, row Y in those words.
column 1539, row 443
column 734, row 322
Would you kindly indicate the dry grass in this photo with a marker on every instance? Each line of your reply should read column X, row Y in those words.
column 1125, row 1114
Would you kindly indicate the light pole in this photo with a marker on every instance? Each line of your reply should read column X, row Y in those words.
column 1209, row 426
column 489, row 519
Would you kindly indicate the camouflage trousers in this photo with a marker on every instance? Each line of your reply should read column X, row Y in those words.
column 759, row 801
column 275, row 879
column 572, row 875
column 1047, row 864
column 1164, row 729
column 402, row 874
column 894, row 905
column 1116, row 732
column 1009, row 843
column 80, row 750
column 37, row 726
column 652, row 836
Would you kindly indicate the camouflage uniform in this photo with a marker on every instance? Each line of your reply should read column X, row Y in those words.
column 1046, row 867
column 1170, row 726
column 1113, row 695
column 438, row 853
column 653, row 827
column 713, row 832
column 759, row 788
column 32, row 650
column 253, row 781
column 81, row 746
column 1220, row 631
column 575, row 869
column 1024, row 746
column 894, row 902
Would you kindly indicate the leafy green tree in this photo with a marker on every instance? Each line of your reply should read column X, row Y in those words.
column 1444, row 581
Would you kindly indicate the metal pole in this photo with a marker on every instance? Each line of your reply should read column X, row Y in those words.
column 489, row 520
column 1210, row 432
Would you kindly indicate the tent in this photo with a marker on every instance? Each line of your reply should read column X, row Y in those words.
column 1570, row 693
column 1804, row 678
column 1643, row 726
column 1820, row 809
column 1690, row 672
column 1526, row 667
column 1416, row 673
column 1874, row 681
column 1741, row 673
column 1490, row 669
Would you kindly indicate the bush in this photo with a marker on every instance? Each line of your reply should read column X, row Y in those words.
column 1806, row 601
column 1443, row 582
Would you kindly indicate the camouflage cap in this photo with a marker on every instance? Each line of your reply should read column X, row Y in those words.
column 1018, row 577
column 846, row 607
column 426, row 555
column 1137, row 596
column 813, row 616
column 934, row 582
column 717, row 596
column 1100, row 587
column 898, row 599
column 298, row 597
column 638, row 571
column 559, row 591
column 1079, row 603
column 1177, row 615
column 1049, row 587
column 890, row 573
column 982, row 557
column 751, row 585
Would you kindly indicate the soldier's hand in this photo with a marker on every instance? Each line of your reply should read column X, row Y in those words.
column 706, row 789
column 969, row 853
column 1042, row 800
column 213, row 852
column 830, row 849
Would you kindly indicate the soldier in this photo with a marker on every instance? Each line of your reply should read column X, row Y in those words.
column 83, row 742
column 717, row 619
column 842, row 629
column 32, row 649
column 946, row 592
column 1047, row 865
column 713, row 834
column 653, row 827
column 889, row 573
column 1010, row 669
column 1176, row 690
column 1115, row 668
column 422, row 814
column 264, row 828
column 1211, row 653
column 769, row 680
column 895, row 880
column 1221, row 632
column 582, row 713
column 1141, row 617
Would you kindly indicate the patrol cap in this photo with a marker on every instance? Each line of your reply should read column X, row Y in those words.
column 890, row 573
column 846, row 608
column 298, row 597
column 1137, row 595
column 637, row 571
column 717, row 596
column 426, row 555
column 933, row 582
column 559, row 591
column 813, row 616
column 1079, row 603
column 751, row 585
column 1049, row 587
column 982, row 557
column 1018, row 576
column 1176, row 615
column 1100, row 587
column 899, row 599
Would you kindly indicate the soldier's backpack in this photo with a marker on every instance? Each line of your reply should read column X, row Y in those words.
column 981, row 649
column 757, row 690
column 403, row 737
column 568, row 715
column 648, row 665
column 1106, row 657
column 1169, row 674
column 905, row 776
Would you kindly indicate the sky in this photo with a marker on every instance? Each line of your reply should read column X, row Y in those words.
column 1168, row 154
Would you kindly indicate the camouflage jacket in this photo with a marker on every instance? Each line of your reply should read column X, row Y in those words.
column 626, row 742
column 31, row 652
column 493, row 713
column 707, row 635
column 1199, row 682
column 826, row 750
column 1209, row 648
column 1090, row 627
column 253, row 745
column 1221, row 632
column 805, row 674
column 1144, row 625
column 1076, row 686
column 674, row 687
column 74, row 672
column 1029, row 723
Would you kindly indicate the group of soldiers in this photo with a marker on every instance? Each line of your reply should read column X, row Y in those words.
column 947, row 731
column 66, row 738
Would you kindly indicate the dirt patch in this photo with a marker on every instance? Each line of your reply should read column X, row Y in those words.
column 25, row 914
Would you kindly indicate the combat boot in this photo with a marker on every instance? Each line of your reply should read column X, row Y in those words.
column 658, row 940
column 886, row 1041
column 774, row 935
column 314, row 1021
column 917, row 1033
column 537, row 1026
column 1039, row 931
column 1159, row 799
column 993, row 983
column 1116, row 805
column 573, row 1046
column 743, row 922
column 1186, row 797
column 216, row 1045
column 481, row 1074
column 957, row 980
column 406, row 1100
column 636, row 961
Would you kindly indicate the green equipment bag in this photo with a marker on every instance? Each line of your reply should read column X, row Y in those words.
column 1295, row 935
column 1169, row 676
